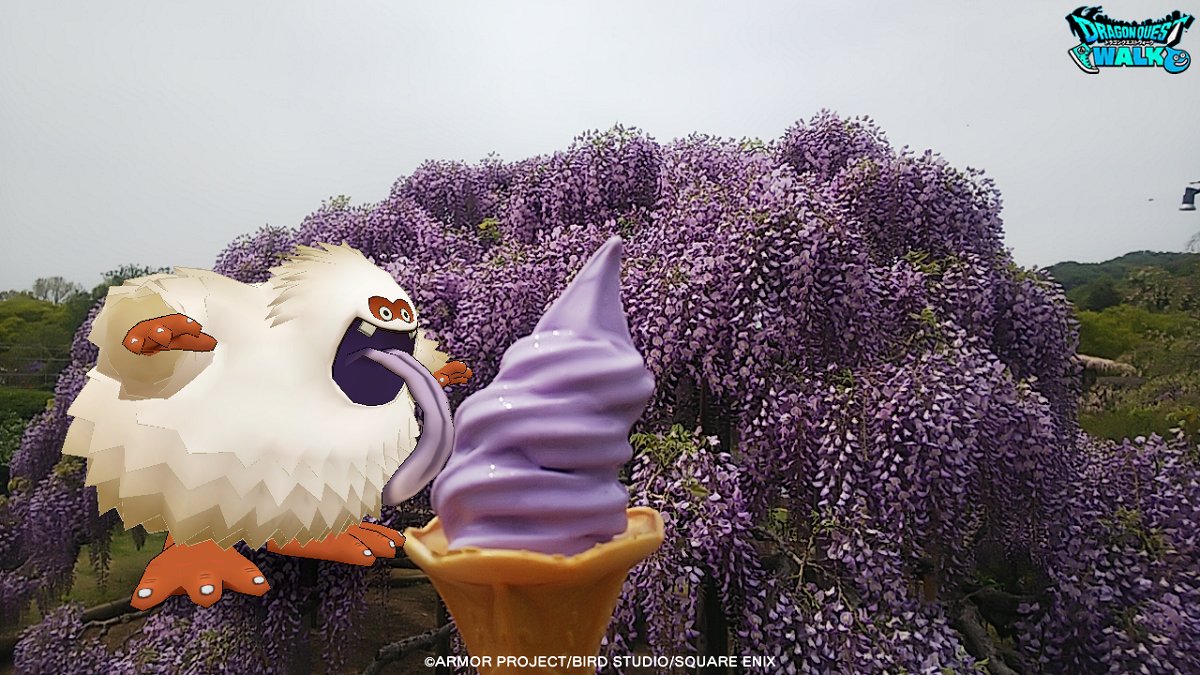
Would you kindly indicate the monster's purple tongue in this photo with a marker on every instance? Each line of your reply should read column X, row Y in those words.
column 537, row 452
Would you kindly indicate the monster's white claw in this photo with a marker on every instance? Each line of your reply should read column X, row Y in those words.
column 159, row 330
column 207, row 589
column 145, row 593
column 391, row 543
column 259, row 581
column 367, row 552
column 133, row 339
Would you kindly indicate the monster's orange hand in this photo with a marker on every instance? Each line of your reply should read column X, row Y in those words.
column 173, row 331
column 455, row 372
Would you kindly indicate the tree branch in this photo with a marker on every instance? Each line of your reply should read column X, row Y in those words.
column 106, row 611
column 105, row 624
column 401, row 562
column 783, row 546
column 398, row 578
column 397, row 650
column 978, row 643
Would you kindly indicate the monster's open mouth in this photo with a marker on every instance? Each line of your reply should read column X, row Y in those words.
column 362, row 380
column 371, row 366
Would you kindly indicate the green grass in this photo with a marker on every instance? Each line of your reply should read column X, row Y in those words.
column 124, row 570
column 1126, row 422
column 24, row 402
column 1118, row 331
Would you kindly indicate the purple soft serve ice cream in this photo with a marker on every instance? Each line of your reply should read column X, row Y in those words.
column 537, row 453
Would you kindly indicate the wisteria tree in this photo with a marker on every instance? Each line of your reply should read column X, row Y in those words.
column 863, row 438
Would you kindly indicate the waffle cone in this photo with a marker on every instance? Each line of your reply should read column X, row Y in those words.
column 523, row 603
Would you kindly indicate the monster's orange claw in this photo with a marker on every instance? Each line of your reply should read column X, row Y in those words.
column 173, row 331
column 202, row 571
column 394, row 539
column 362, row 544
column 455, row 372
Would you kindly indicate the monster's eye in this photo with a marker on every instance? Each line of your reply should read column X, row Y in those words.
column 405, row 311
column 381, row 308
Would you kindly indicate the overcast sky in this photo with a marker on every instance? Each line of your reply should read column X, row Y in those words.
column 155, row 132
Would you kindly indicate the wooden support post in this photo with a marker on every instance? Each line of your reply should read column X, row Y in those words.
column 308, row 580
column 443, row 643
column 301, row 659
column 714, row 628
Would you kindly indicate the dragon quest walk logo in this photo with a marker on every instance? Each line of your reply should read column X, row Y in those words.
column 1106, row 43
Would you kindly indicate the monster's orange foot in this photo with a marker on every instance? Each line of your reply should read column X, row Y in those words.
column 202, row 571
column 362, row 544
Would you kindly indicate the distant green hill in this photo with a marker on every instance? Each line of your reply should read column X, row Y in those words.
column 1134, row 277
column 1142, row 309
column 1074, row 274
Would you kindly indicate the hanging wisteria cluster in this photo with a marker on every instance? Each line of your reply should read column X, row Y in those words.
column 863, row 437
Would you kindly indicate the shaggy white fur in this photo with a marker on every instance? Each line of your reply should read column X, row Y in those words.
column 252, row 441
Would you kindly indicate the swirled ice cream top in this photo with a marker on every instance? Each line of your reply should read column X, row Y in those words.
column 538, row 451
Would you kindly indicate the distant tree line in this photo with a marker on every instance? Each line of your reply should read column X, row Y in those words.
column 1146, row 275
column 36, row 329
column 1142, row 309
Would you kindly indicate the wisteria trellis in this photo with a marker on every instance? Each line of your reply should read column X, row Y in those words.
column 895, row 405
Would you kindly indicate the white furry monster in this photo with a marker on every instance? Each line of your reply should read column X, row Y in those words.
column 282, row 424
